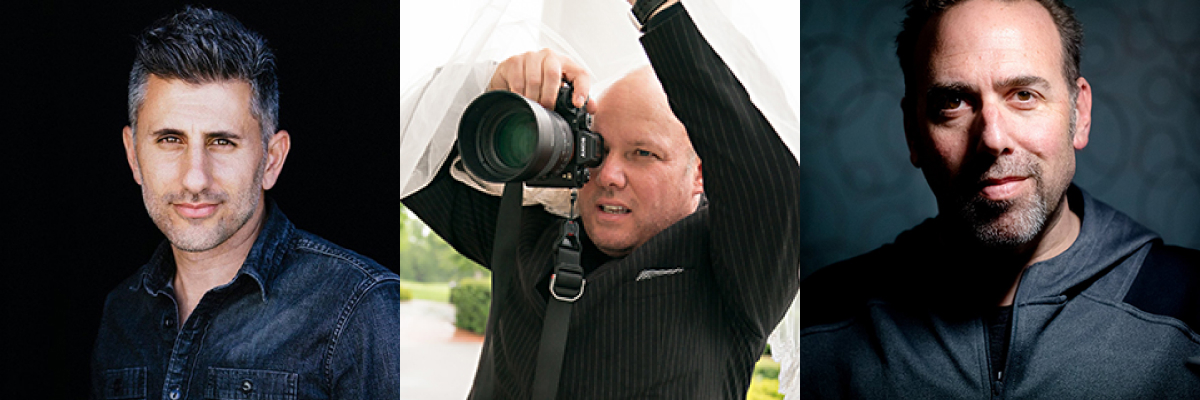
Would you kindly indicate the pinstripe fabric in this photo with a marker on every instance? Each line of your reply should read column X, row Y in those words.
column 692, row 334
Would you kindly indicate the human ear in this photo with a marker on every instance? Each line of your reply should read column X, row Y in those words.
column 277, row 151
column 131, row 154
column 1083, row 114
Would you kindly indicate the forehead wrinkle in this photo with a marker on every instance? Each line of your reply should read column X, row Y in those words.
column 975, row 27
column 994, row 54
column 1033, row 81
column 638, row 103
column 953, row 86
column 204, row 108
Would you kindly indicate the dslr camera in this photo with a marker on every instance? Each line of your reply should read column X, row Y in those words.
column 505, row 137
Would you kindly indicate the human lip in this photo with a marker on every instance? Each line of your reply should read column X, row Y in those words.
column 195, row 210
column 1002, row 188
column 612, row 211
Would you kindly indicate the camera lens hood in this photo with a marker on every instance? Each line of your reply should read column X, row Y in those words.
column 505, row 137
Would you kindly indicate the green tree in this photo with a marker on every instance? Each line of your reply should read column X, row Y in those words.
column 425, row 257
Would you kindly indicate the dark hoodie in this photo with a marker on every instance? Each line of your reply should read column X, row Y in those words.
column 1112, row 317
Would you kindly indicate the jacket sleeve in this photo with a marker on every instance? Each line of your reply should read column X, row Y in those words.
column 464, row 217
column 751, row 179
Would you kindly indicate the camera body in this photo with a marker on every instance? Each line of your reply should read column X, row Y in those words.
column 505, row 137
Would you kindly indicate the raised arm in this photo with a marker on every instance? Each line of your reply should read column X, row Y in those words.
column 464, row 217
column 750, row 177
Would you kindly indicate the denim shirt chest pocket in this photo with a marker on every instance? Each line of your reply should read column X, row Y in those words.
column 249, row 384
column 124, row 383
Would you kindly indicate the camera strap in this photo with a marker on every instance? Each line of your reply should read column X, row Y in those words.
column 503, row 266
column 566, row 286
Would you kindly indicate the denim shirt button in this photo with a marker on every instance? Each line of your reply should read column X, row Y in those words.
column 168, row 322
column 247, row 386
column 174, row 395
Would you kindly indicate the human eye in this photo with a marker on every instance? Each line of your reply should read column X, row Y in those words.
column 945, row 105
column 644, row 155
column 168, row 139
column 223, row 140
column 1024, row 99
column 950, row 102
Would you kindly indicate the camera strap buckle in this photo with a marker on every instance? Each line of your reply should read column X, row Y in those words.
column 576, row 286
column 566, row 286
column 567, row 282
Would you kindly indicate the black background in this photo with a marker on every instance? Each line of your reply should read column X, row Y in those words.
column 72, row 215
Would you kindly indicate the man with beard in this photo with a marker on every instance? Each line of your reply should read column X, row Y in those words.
column 1024, row 285
column 237, row 302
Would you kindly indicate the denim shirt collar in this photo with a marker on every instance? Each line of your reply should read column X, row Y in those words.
column 262, row 265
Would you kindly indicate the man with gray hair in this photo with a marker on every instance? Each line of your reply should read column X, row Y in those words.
column 1024, row 285
column 237, row 301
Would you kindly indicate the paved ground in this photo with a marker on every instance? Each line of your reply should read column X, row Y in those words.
column 437, row 361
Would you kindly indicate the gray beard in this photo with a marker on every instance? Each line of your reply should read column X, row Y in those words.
column 1008, row 224
column 1023, row 224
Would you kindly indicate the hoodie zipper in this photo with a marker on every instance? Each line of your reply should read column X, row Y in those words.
column 997, row 377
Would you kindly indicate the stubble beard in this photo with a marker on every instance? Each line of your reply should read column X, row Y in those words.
column 1010, row 223
column 193, row 236
column 1013, row 223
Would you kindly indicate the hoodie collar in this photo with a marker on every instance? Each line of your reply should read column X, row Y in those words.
column 1106, row 237
column 952, row 268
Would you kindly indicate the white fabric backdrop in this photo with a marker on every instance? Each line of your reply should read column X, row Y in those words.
column 600, row 36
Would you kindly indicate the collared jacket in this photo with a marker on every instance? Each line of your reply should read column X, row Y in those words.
column 1112, row 317
column 302, row 319
column 686, row 314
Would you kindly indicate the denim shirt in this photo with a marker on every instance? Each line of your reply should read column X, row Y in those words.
column 302, row 319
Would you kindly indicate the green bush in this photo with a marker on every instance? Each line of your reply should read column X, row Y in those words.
column 766, row 368
column 405, row 293
column 764, row 389
column 472, row 298
column 432, row 291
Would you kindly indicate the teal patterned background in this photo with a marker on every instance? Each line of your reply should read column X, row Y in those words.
column 1142, row 59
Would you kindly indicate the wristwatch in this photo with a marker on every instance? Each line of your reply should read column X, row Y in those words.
column 642, row 9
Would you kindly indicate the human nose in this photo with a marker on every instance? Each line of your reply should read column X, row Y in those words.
column 610, row 173
column 197, row 174
column 995, row 136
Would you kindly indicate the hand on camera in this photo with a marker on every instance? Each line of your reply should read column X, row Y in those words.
column 537, row 75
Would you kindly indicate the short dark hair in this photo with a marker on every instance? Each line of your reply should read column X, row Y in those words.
column 201, row 45
column 1070, row 31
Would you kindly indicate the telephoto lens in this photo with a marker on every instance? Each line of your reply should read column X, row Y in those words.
column 505, row 137
column 516, row 140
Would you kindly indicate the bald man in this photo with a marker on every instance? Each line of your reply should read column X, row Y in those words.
column 688, row 246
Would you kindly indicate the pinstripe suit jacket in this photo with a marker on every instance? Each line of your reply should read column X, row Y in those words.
column 691, row 334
